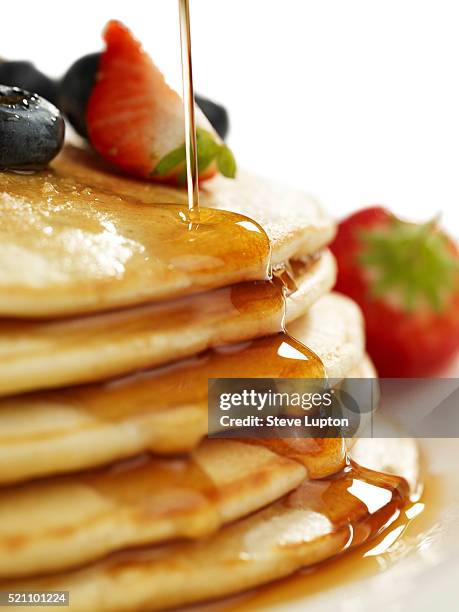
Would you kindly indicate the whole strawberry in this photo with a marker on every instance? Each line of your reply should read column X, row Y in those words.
column 405, row 277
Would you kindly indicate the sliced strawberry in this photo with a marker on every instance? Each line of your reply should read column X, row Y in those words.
column 405, row 277
column 136, row 121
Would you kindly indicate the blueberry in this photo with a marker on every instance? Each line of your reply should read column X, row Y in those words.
column 26, row 76
column 31, row 130
column 75, row 88
column 216, row 114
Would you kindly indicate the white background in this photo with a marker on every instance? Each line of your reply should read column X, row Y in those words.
column 356, row 101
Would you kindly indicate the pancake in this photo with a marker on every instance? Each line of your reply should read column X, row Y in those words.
column 163, row 410
column 55, row 523
column 42, row 354
column 315, row 522
column 77, row 238
column 365, row 369
column 333, row 328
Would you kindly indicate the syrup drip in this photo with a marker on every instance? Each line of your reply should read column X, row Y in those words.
column 286, row 277
column 183, row 383
column 410, row 523
column 192, row 168
column 372, row 496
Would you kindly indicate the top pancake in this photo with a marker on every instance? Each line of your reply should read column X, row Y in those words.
column 77, row 238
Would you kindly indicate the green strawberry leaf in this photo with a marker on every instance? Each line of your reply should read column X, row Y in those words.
column 209, row 150
column 226, row 162
column 412, row 264
column 170, row 161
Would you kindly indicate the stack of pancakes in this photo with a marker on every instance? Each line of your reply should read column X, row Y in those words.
column 115, row 312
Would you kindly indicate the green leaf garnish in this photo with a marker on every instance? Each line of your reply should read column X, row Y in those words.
column 170, row 161
column 413, row 264
column 209, row 150
column 226, row 162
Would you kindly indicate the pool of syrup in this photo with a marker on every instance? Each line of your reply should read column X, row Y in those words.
column 401, row 535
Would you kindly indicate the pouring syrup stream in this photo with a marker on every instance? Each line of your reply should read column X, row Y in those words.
column 192, row 169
